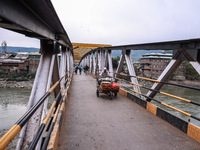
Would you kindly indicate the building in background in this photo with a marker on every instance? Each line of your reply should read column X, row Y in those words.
column 13, row 66
column 21, row 63
column 33, row 59
column 153, row 64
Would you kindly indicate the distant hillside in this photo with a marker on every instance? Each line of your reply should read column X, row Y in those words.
column 19, row 49
column 136, row 54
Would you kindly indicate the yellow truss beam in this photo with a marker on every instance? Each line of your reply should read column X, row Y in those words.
column 83, row 48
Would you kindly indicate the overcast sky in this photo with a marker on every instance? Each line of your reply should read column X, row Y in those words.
column 118, row 22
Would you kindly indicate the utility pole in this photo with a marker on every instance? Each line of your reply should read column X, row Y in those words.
column 4, row 46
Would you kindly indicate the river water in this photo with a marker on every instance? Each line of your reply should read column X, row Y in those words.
column 190, row 108
column 13, row 103
column 186, row 93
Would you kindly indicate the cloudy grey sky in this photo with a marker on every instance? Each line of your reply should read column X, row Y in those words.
column 120, row 22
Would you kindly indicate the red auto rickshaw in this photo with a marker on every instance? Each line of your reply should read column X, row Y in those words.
column 107, row 86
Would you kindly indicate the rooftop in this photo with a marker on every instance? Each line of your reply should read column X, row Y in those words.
column 12, row 61
column 157, row 55
column 34, row 53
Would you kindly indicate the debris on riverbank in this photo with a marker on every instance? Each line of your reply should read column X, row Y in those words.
column 29, row 84
column 187, row 82
column 15, row 84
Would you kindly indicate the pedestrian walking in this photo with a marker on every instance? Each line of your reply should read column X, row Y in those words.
column 80, row 69
column 86, row 70
column 76, row 69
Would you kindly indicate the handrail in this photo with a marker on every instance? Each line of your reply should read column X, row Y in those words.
column 14, row 130
column 157, row 81
column 42, row 126
column 45, row 120
column 46, row 141
column 169, row 106
column 163, row 93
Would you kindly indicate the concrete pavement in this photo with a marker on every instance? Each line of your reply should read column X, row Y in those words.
column 100, row 123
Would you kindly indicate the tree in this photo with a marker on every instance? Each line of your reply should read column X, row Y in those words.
column 190, row 73
column 4, row 46
column 115, row 61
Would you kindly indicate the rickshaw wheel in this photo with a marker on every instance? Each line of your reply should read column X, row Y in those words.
column 115, row 94
column 111, row 95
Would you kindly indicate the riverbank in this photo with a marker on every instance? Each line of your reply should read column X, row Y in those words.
column 16, row 84
column 185, row 82
column 29, row 84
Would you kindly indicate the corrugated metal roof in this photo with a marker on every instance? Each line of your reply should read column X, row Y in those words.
column 34, row 53
column 21, row 56
column 157, row 56
column 13, row 61
column 4, row 56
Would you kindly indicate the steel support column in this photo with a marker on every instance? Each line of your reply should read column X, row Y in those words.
column 38, row 90
column 131, row 71
column 90, row 66
column 120, row 65
column 99, row 61
column 106, row 59
column 110, row 62
column 94, row 63
column 56, row 75
column 102, row 59
column 71, row 62
column 196, row 66
column 68, row 62
column 63, row 66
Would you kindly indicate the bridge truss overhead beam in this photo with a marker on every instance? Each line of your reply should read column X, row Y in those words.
column 34, row 19
column 191, row 44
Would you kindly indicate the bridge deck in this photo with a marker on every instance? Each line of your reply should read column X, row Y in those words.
column 118, row 124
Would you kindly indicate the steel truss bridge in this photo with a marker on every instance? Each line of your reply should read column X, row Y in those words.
column 77, row 114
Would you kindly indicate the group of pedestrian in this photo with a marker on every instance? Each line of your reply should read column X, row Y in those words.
column 85, row 68
column 78, row 68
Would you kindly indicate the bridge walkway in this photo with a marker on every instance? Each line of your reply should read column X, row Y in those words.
column 92, row 122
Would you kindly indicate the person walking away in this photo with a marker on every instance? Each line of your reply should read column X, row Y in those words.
column 76, row 69
column 80, row 69
column 86, row 70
